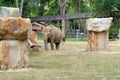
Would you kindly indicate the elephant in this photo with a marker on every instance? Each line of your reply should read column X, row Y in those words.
column 51, row 34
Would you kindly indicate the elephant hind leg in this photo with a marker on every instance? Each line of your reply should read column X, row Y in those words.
column 57, row 45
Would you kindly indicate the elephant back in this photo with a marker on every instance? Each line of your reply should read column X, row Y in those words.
column 56, row 33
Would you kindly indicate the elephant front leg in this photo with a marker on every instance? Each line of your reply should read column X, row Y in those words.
column 46, row 45
column 52, row 45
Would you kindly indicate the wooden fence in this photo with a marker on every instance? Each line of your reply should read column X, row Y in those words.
column 73, row 22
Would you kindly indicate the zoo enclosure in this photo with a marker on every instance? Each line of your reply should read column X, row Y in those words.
column 75, row 23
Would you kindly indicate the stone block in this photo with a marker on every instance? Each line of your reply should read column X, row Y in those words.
column 14, row 54
column 97, row 41
column 6, row 12
column 98, row 24
column 15, row 28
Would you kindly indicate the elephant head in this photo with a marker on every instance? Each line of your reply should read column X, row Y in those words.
column 46, row 31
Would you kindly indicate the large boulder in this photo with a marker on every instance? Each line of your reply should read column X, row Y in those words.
column 14, row 54
column 15, row 28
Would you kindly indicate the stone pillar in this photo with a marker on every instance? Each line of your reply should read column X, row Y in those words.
column 14, row 33
column 97, row 31
column 14, row 54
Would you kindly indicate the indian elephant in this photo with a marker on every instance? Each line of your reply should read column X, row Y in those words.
column 52, row 35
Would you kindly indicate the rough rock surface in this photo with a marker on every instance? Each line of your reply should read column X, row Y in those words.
column 14, row 28
column 14, row 34
column 98, row 24
column 14, row 54
column 9, row 12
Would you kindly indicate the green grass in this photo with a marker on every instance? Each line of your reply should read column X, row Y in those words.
column 77, row 39
column 40, row 37
column 71, row 62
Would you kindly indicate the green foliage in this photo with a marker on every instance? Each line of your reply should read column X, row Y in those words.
column 40, row 37
column 113, row 32
column 77, row 6
column 104, row 7
column 52, row 8
column 8, row 3
column 32, row 8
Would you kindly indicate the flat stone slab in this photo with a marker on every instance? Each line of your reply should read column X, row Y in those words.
column 9, row 12
column 98, row 24
column 15, row 28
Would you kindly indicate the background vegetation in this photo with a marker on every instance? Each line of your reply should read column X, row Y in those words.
column 102, row 8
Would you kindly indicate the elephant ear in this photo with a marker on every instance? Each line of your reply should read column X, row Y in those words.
column 49, row 30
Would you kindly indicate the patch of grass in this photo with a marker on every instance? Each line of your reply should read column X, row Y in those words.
column 40, row 37
column 71, row 62
column 77, row 39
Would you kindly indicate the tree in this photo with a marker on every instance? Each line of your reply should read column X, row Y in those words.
column 21, row 7
column 104, row 7
column 75, row 6
column 52, row 8
column 17, row 3
column 62, row 5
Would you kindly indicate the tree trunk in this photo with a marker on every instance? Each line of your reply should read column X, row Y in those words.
column 63, row 27
column 42, row 9
column 17, row 3
column 21, row 7
column 62, row 5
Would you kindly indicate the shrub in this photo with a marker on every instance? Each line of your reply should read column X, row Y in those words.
column 114, row 31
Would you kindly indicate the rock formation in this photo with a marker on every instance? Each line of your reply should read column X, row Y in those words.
column 14, row 34
column 97, row 29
